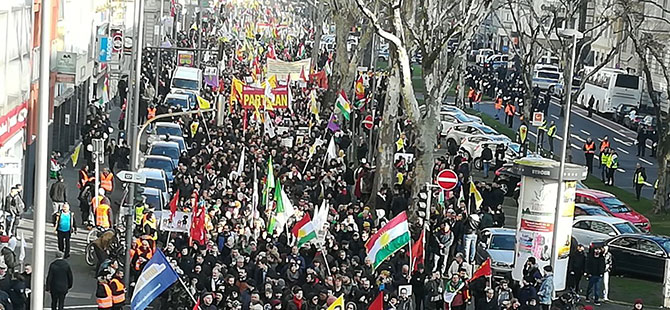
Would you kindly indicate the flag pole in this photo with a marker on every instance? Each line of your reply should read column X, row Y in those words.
column 411, row 258
column 189, row 292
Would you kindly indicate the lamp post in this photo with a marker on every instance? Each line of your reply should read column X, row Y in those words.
column 575, row 35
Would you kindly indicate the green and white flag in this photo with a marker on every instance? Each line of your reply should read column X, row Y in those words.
column 283, row 210
column 269, row 182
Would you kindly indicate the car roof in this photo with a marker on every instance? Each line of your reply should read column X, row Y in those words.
column 151, row 173
column 594, row 193
column 160, row 157
column 176, row 96
column 167, row 124
column 501, row 231
column 152, row 191
column 601, row 218
column 587, row 206
column 656, row 238
column 165, row 144
column 186, row 72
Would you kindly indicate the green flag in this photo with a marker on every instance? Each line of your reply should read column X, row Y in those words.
column 269, row 182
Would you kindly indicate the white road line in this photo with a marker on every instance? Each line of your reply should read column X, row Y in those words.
column 77, row 307
column 575, row 146
column 554, row 116
column 577, row 137
column 572, row 125
column 646, row 161
column 593, row 119
column 627, row 144
column 621, row 170
column 585, row 132
column 622, row 150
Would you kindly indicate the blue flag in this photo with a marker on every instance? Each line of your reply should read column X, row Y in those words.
column 156, row 277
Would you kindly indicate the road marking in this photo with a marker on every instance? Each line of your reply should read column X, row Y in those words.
column 554, row 116
column 577, row 137
column 646, row 161
column 572, row 125
column 622, row 150
column 79, row 307
column 585, row 132
column 627, row 144
column 575, row 146
column 79, row 295
column 593, row 118
column 621, row 170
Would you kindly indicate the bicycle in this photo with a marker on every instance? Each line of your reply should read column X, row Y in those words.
column 93, row 253
column 95, row 233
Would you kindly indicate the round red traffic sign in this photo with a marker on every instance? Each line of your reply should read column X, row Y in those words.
column 367, row 122
column 447, row 179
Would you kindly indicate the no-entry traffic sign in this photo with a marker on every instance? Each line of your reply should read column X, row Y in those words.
column 447, row 179
column 367, row 122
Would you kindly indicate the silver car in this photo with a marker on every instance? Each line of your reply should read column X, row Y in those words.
column 499, row 245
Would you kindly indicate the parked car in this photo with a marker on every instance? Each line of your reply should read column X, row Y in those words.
column 508, row 178
column 179, row 101
column 156, row 178
column 622, row 112
column 160, row 162
column 166, row 148
column 472, row 147
column 154, row 198
column 163, row 129
column 590, row 229
column 482, row 55
column 586, row 209
column 498, row 244
column 640, row 254
column 613, row 206
column 455, row 133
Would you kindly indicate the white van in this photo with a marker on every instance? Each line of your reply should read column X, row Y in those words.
column 187, row 78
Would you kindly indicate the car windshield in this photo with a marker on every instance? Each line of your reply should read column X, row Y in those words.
column 665, row 244
column 461, row 117
column 487, row 130
column 627, row 228
column 503, row 242
column 185, row 84
column 156, row 183
column 548, row 75
column 596, row 211
column 182, row 144
column 165, row 165
column 627, row 81
column 615, row 205
column 514, row 147
column 165, row 151
column 154, row 201
column 183, row 103
column 165, row 130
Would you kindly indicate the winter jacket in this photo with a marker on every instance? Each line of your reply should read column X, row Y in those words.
column 546, row 290
column 58, row 192
column 595, row 266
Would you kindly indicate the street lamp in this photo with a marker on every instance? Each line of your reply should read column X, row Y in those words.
column 575, row 35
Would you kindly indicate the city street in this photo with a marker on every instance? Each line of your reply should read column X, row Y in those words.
column 596, row 127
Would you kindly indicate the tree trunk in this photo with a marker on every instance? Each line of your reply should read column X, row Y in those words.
column 319, row 13
column 386, row 141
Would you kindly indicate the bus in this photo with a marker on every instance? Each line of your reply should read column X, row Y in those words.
column 610, row 88
column 546, row 76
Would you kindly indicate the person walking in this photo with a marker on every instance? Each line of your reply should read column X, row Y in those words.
column 58, row 194
column 65, row 227
column 546, row 291
column 639, row 179
column 613, row 165
column 551, row 134
column 510, row 109
column 606, row 275
column 487, row 157
column 498, row 106
column 589, row 152
column 118, row 290
column 103, row 292
column 14, row 209
column 59, row 281
column 641, row 141
column 595, row 268
column 604, row 145
column 576, row 265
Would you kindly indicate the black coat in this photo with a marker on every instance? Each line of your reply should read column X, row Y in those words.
column 595, row 265
column 59, row 278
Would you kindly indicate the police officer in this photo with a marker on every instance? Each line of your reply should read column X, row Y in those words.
column 589, row 152
column 522, row 138
column 639, row 179
column 551, row 133
column 613, row 165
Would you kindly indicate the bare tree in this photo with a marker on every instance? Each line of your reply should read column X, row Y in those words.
column 650, row 33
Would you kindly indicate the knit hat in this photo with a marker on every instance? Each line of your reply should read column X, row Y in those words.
column 639, row 301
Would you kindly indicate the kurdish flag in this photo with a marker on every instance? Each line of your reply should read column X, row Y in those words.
column 478, row 197
column 391, row 238
column 343, row 105
column 270, row 181
column 338, row 304
column 304, row 230
column 283, row 209
column 360, row 88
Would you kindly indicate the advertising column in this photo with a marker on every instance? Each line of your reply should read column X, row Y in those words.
column 535, row 217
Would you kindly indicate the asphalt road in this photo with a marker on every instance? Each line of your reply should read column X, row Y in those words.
column 582, row 127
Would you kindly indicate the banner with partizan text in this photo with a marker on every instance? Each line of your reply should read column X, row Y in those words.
column 254, row 97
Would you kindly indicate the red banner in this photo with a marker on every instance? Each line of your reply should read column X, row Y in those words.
column 253, row 97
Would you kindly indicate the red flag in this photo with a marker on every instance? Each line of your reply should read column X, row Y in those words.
column 173, row 204
column 483, row 270
column 378, row 303
column 197, row 304
column 302, row 74
column 417, row 251
column 197, row 232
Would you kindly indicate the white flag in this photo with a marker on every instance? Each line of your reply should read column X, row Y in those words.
column 332, row 150
column 269, row 94
column 240, row 165
column 22, row 255
column 320, row 216
column 283, row 217
column 268, row 126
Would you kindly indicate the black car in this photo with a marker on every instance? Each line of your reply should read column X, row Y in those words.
column 622, row 111
column 508, row 178
column 640, row 254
